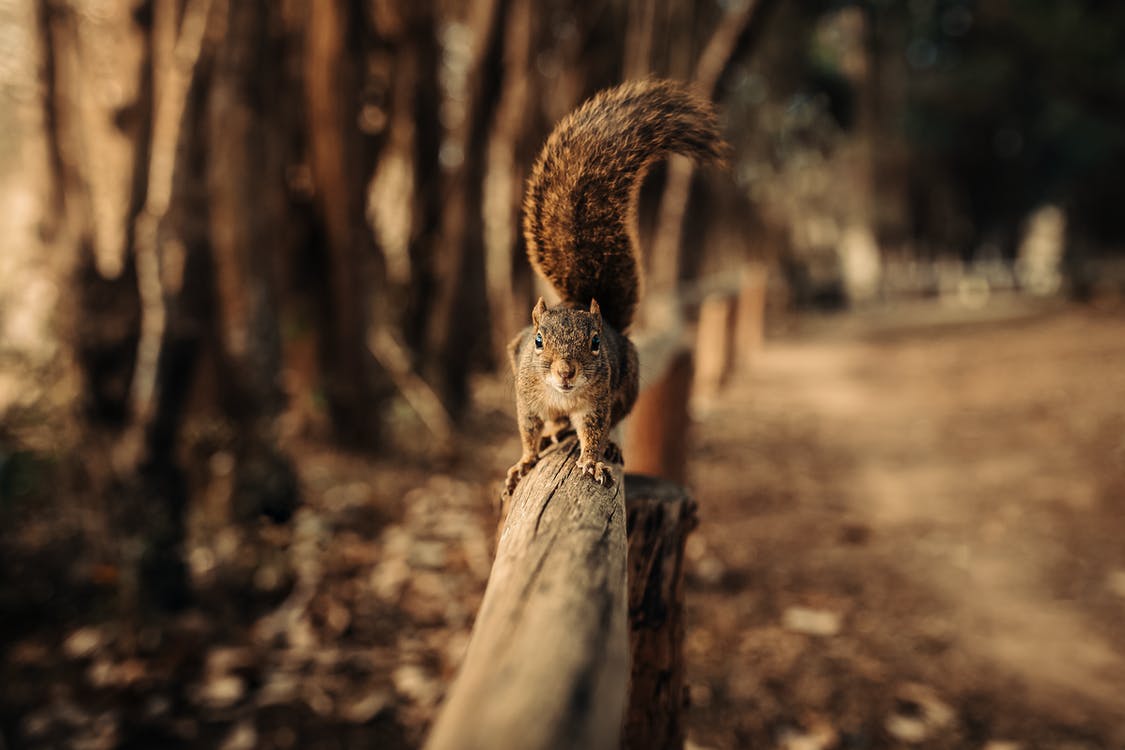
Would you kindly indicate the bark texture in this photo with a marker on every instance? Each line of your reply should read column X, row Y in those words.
column 547, row 665
column 660, row 516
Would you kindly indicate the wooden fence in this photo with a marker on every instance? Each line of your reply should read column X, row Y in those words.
column 578, row 641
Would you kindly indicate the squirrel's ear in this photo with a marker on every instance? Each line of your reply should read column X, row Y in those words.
column 594, row 308
column 538, row 310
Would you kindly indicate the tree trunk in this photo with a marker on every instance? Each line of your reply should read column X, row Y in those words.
column 346, row 127
column 422, row 115
column 507, row 168
column 99, row 82
column 732, row 37
column 457, row 339
column 246, row 132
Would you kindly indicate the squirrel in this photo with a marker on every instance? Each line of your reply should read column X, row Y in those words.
column 575, row 361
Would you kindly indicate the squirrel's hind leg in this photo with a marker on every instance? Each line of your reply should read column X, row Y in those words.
column 556, row 430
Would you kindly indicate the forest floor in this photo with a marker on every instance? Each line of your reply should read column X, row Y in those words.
column 910, row 535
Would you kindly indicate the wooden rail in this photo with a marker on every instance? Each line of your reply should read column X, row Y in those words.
column 579, row 639
column 548, row 664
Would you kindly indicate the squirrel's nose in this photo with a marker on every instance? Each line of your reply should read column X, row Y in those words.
column 565, row 369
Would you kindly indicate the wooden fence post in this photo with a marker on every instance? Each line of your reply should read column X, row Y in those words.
column 714, row 345
column 749, row 327
column 657, row 429
column 660, row 516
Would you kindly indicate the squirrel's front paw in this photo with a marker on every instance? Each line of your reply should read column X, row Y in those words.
column 518, row 470
column 596, row 469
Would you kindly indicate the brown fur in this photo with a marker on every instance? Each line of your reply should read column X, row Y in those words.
column 580, row 209
column 580, row 225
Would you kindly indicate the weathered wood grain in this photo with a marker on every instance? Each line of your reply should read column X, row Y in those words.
column 547, row 665
column 660, row 515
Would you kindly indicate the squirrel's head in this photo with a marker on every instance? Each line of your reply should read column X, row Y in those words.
column 567, row 345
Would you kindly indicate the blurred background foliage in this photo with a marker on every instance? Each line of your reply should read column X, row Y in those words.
column 238, row 229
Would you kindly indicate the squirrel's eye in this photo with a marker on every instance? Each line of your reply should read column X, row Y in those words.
column 538, row 341
column 595, row 342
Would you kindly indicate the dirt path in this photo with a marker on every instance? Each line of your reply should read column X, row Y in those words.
column 946, row 499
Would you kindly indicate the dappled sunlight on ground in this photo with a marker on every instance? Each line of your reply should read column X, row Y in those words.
column 952, row 493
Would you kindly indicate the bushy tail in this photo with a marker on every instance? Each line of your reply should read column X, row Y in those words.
column 581, row 202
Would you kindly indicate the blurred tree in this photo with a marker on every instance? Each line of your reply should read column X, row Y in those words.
column 1014, row 104
column 732, row 40
column 210, row 166
column 457, row 334
column 419, row 115
column 351, row 61
column 228, row 182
